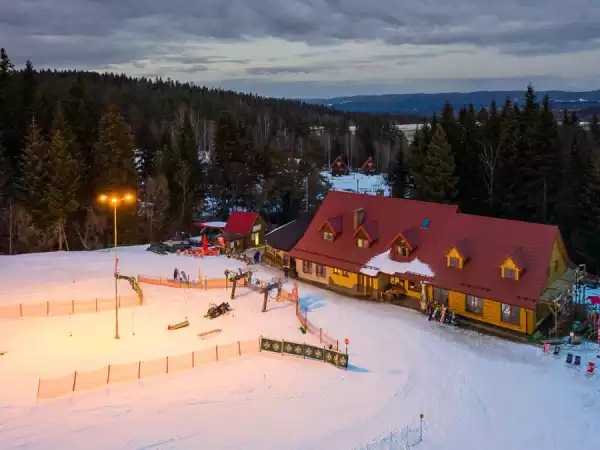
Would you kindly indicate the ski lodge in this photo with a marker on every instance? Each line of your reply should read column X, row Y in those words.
column 500, row 272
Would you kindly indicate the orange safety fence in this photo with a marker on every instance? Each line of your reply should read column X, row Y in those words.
column 204, row 283
column 94, row 379
column 64, row 308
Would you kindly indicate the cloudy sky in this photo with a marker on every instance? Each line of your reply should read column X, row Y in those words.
column 316, row 48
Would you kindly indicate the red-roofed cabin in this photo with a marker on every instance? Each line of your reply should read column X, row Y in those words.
column 501, row 272
column 368, row 167
column 339, row 167
column 244, row 230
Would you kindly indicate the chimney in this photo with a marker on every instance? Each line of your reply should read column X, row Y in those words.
column 359, row 216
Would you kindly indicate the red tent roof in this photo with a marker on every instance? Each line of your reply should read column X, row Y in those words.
column 241, row 222
column 338, row 162
column 488, row 242
column 368, row 164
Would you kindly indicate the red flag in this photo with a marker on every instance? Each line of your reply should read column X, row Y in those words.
column 204, row 243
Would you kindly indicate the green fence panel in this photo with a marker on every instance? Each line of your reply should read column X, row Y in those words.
column 313, row 352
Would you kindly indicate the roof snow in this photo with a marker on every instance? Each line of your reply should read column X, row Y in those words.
column 383, row 263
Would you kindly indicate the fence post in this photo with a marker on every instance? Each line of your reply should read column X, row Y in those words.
column 96, row 304
column 205, row 283
column 108, row 375
column 72, row 306
column 167, row 365
column 139, row 369
column 320, row 335
column 282, row 347
column 74, row 380
column 38, row 390
column 239, row 349
column 260, row 343
column 21, row 309
column 217, row 352
column 47, row 308
column 193, row 365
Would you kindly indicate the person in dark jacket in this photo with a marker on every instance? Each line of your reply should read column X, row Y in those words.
column 175, row 274
column 256, row 257
column 286, row 271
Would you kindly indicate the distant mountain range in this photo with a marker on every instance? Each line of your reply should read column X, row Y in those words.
column 428, row 104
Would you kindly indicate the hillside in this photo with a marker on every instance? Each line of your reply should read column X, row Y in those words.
column 427, row 104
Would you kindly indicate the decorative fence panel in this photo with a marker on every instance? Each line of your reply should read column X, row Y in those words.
column 64, row 308
column 283, row 347
column 94, row 379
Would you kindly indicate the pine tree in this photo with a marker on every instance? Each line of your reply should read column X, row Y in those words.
column 33, row 180
column 113, row 154
column 397, row 175
column 586, row 239
column 64, row 179
column 438, row 181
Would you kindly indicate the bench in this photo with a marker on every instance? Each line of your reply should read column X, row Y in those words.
column 208, row 333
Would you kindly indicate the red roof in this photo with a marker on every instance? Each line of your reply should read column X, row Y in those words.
column 241, row 222
column 368, row 164
column 338, row 163
column 486, row 241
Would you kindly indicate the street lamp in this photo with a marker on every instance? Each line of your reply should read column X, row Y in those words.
column 115, row 200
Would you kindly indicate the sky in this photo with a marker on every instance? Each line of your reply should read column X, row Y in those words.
column 316, row 48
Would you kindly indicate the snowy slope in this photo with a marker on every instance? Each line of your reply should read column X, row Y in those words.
column 476, row 392
column 367, row 184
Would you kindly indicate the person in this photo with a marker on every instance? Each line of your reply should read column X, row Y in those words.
column 256, row 257
column 175, row 273
column 286, row 271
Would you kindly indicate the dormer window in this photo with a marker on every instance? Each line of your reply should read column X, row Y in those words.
column 510, row 274
column 458, row 254
column 454, row 262
column 402, row 250
column 362, row 243
column 514, row 265
column 327, row 236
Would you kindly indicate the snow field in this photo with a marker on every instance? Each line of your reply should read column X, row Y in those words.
column 367, row 184
column 475, row 391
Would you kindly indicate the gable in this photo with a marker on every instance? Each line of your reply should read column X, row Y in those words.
column 241, row 222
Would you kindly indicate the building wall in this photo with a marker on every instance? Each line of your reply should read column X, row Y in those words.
column 491, row 313
column 313, row 275
column 558, row 261
column 348, row 282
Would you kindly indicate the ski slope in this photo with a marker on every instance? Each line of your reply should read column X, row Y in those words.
column 476, row 392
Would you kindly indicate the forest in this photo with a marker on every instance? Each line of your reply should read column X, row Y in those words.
column 67, row 137
column 186, row 151
column 520, row 163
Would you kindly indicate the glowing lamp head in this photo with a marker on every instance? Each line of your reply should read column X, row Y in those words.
column 114, row 200
column 103, row 198
column 128, row 197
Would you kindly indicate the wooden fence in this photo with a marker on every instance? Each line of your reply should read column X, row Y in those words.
column 204, row 283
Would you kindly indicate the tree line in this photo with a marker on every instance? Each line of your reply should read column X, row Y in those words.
column 515, row 162
column 186, row 152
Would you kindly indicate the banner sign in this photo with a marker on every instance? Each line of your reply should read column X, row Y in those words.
column 313, row 352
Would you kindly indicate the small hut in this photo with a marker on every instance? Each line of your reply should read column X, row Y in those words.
column 368, row 168
column 339, row 167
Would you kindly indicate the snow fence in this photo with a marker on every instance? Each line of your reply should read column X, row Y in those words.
column 63, row 308
column 117, row 373
column 203, row 283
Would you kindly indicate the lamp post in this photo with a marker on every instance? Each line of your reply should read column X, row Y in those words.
column 115, row 200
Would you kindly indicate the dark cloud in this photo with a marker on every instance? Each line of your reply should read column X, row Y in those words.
column 101, row 33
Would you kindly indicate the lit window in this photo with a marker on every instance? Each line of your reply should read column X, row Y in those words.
column 510, row 274
column 306, row 267
column 474, row 305
column 511, row 314
column 345, row 274
column 415, row 287
column 401, row 250
column 337, row 271
column 454, row 262
column 320, row 270
column 362, row 243
column 328, row 236
column 396, row 280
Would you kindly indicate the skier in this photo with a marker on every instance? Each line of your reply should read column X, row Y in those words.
column 175, row 273
column 256, row 257
column 286, row 271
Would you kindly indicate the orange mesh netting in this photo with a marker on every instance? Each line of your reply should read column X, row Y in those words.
column 179, row 363
column 91, row 379
column 56, row 387
column 123, row 372
column 153, row 367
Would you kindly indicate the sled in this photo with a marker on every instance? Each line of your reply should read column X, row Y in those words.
column 208, row 333
column 176, row 326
